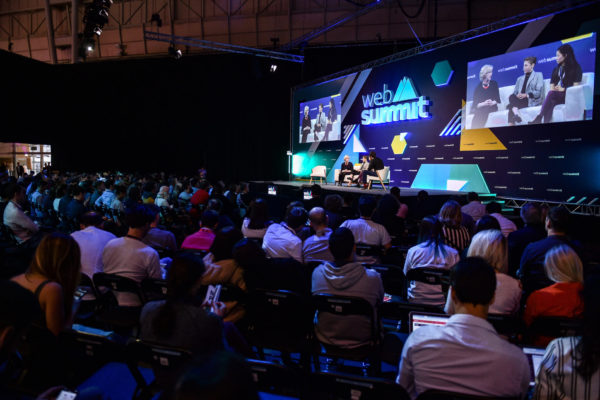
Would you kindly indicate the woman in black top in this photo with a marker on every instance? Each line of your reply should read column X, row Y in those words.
column 331, row 118
column 485, row 97
column 566, row 74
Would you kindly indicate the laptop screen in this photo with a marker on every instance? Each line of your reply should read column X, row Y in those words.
column 419, row 319
column 534, row 356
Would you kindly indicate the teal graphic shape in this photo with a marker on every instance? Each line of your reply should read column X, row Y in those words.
column 456, row 177
column 406, row 91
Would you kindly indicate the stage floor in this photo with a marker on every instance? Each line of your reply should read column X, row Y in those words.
column 376, row 190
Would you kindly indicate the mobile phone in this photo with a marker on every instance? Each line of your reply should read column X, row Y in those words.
column 212, row 296
column 67, row 395
column 79, row 293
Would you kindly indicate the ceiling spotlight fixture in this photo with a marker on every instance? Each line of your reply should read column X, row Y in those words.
column 95, row 17
column 273, row 68
column 98, row 31
column 156, row 18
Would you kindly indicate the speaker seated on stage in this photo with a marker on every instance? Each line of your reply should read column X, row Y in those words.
column 347, row 168
column 375, row 164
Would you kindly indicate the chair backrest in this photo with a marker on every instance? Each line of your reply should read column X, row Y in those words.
column 554, row 327
column 154, row 289
column 319, row 170
column 431, row 276
column 385, row 174
column 344, row 306
column 116, row 283
column 367, row 250
column 507, row 325
column 276, row 379
column 335, row 385
column 392, row 276
column 445, row 395
column 82, row 348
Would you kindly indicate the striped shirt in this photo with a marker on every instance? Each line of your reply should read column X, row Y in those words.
column 456, row 237
column 557, row 377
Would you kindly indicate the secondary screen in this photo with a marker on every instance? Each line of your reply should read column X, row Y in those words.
column 320, row 119
column 549, row 83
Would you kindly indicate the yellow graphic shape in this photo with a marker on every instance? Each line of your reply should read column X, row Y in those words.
column 479, row 139
column 399, row 143
column 573, row 39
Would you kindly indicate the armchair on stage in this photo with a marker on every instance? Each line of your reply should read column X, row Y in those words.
column 320, row 171
column 347, row 178
column 578, row 102
column 383, row 177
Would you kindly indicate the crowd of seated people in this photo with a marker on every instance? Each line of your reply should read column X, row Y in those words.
column 189, row 233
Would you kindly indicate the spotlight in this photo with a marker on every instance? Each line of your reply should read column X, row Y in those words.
column 273, row 68
column 98, row 31
column 89, row 48
column 175, row 53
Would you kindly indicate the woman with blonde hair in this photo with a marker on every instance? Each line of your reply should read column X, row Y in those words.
column 486, row 97
column 562, row 299
column 53, row 277
column 455, row 235
column 492, row 246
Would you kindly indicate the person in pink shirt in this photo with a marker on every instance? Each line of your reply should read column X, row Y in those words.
column 203, row 239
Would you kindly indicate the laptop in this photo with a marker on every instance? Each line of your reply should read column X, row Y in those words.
column 535, row 355
column 417, row 319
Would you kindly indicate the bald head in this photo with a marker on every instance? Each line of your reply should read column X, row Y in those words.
column 317, row 218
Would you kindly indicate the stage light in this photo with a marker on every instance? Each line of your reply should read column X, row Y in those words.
column 273, row 68
column 98, row 31
column 593, row 201
column 89, row 48
column 570, row 199
column 175, row 53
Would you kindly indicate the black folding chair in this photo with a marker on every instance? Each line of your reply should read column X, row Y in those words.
column 277, row 379
column 553, row 327
column 344, row 306
column 509, row 326
column 334, row 386
column 280, row 320
column 110, row 312
column 367, row 250
column 431, row 276
column 154, row 289
column 392, row 276
column 166, row 362
column 396, row 313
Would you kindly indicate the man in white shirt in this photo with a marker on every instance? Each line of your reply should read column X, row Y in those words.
column 366, row 231
column 129, row 256
column 15, row 219
column 466, row 355
column 92, row 240
column 316, row 247
column 281, row 240
column 506, row 225
column 474, row 208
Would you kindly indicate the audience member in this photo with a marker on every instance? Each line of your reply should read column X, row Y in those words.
column 348, row 211
column 346, row 277
column 333, row 208
column 474, row 208
column 162, row 198
column 256, row 224
column 216, row 205
column 403, row 208
column 118, row 204
column 281, row 240
column 487, row 222
column 431, row 252
column 506, row 225
column 52, row 278
column 455, row 235
column 200, row 195
column 156, row 237
column 217, row 376
column 491, row 246
column 532, row 232
column 316, row 247
column 91, row 240
column 386, row 214
column 456, row 356
column 129, row 256
column 105, row 200
column 181, row 320
column 203, row 239
column 316, row 201
column 563, row 266
column 99, row 188
column 75, row 208
column 366, row 231
column 570, row 368
column 531, row 270
column 221, row 268
column 15, row 219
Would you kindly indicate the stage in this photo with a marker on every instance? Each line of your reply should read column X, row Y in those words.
column 376, row 190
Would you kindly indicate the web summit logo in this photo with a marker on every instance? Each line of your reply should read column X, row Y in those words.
column 380, row 110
